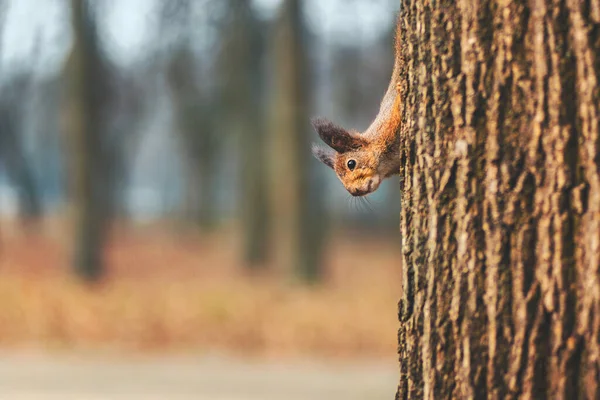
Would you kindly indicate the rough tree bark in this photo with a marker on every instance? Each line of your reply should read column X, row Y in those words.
column 500, row 199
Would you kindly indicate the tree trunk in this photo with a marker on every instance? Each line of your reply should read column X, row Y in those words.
column 296, row 215
column 14, row 160
column 198, row 138
column 87, row 169
column 500, row 199
column 243, row 97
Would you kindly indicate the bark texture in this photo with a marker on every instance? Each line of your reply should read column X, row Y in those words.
column 500, row 199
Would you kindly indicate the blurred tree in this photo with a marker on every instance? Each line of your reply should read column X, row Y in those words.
column 86, row 74
column 243, row 98
column 196, row 116
column 297, row 218
column 122, row 136
column 348, row 92
column 196, row 127
column 44, row 114
column 12, row 152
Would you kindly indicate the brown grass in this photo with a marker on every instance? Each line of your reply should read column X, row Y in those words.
column 171, row 292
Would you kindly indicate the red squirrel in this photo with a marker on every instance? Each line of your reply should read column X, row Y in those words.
column 363, row 161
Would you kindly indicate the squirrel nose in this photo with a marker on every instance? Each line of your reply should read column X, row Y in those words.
column 363, row 190
column 358, row 192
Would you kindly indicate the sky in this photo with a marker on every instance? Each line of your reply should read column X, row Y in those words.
column 37, row 32
column 33, row 26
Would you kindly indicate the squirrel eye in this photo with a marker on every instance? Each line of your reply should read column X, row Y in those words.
column 351, row 165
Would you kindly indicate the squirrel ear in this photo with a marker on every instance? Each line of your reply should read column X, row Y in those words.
column 337, row 137
column 323, row 155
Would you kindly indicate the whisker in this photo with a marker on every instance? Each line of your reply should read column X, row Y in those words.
column 357, row 204
column 350, row 200
column 366, row 204
column 360, row 204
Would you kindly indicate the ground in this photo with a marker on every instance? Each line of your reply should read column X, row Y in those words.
column 185, row 378
column 170, row 290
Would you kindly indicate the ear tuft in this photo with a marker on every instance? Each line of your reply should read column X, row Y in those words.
column 337, row 137
column 323, row 155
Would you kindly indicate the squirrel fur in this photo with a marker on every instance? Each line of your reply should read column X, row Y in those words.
column 363, row 160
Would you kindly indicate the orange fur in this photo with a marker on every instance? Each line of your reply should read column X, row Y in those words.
column 374, row 152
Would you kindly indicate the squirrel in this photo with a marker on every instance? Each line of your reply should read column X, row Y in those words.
column 363, row 161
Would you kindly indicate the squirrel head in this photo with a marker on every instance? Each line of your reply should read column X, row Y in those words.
column 361, row 164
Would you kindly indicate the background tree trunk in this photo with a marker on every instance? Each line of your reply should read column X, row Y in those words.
column 198, row 138
column 296, row 206
column 12, row 151
column 244, row 99
column 87, row 168
column 194, row 116
column 500, row 199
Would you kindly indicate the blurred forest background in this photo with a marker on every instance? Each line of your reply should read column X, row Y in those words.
column 157, row 189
